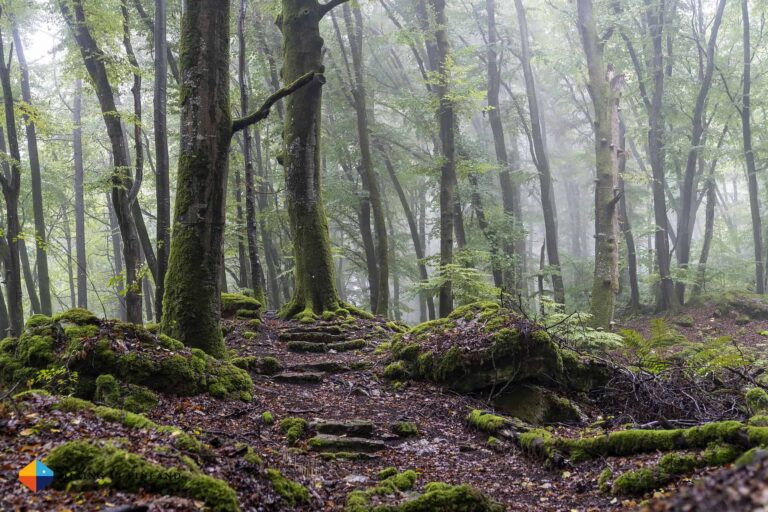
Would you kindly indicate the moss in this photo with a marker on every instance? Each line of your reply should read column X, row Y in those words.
column 77, row 316
column 267, row 417
column 757, row 400
column 30, row 393
column 175, row 345
column 254, row 323
column 604, row 480
column 35, row 350
column 107, row 389
column 406, row 352
column 395, row 371
column 450, row 498
column 128, row 419
column 292, row 493
column 293, row 428
column 716, row 431
column 677, row 464
column 683, row 321
column 396, row 327
column 401, row 481
column 386, row 473
column 139, row 399
column 469, row 311
column 485, row 421
column 343, row 346
column 751, row 457
column 759, row 420
column 235, row 303
column 305, row 346
column 405, row 428
column 8, row 345
column 637, row 482
column 626, row 442
column 37, row 321
column 250, row 456
column 78, row 332
column 78, row 460
column 720, row 454
column 249, row 335
column 270, row 365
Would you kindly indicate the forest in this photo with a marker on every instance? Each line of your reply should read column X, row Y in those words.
column 383, row 255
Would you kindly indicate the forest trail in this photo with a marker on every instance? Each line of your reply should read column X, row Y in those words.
column 351, row 425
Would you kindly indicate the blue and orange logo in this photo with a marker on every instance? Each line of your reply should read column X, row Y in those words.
column 36, row 476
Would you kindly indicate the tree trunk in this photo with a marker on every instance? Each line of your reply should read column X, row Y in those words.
column 116, row 255
column 162, row 183
column 242, row 258
column 541, row 160
column 29, row 278
column 257, row 273
column 749, row 156
column 605, row 91
column 355, row 36
column 123, row 194
column 77, row 150
column 192, row 300
column 510, row 191
column 41, row 255
column 70, row 260
column 315, row 287
column 687, row 217
column 626, row 226
column 10, row 180
column 417, row 243
column 270, row 254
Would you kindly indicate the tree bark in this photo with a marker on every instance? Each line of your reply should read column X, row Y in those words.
column 41, row 246
column 117, row 245
column 77, row 150
column 541, row 160
column 626, row 226
column 94, row 58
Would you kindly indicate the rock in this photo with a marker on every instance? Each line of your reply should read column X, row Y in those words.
column 311, row 337
column 320, row 366
column 299, row 377
column 353, row 428
column 331, row 443
column 534, row 404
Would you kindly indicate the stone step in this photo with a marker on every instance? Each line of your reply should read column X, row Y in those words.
column 311, row 337
column 326, row 328
column 299, row 377
column 352, row 428
column 320, row 366
column 332, row 444
column 343, row 346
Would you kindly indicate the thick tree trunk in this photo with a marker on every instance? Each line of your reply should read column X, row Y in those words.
column 162, row 183
column 192, row 300
column 41, row 255
column 10, row 180
column 77, row 150
column 687, row 217
column 315, row 287
column 257, row 273
column 749, row 155
column 548, row 205
column 355, row 36
column 94, row 58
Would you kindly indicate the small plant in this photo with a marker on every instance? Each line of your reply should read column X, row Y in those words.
column 59, row 381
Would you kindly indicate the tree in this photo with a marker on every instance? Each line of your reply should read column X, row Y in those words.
column 162, row 184
column 41, row 255
column 192, row 301
column 541, row 159
column 604, row 89
column 315, row 286
column 77, row 153
column 123, row 192
column 11, row 185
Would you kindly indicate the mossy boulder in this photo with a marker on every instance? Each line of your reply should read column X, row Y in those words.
column 239, row 305
column 537, row 405
column 478, row 346
column 741, row 304
column 87, row 461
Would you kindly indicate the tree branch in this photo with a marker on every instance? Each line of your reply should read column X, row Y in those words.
column 263, row 111
column 326, row 8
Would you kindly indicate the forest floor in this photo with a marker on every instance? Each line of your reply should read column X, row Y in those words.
column 329, row 386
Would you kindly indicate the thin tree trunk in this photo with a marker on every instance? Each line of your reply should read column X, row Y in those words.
column 41, row 255
column 69, row 255
column 266, row 236
column 749, row 155
column 541, row 160
column 77, row 150
column 29, row 278
column 117, row 258
column 242, row 258
column 626, row 226
column 10, row 180
column 162, row 183
column 355, row 36
column 123, row 191
column 257, row 273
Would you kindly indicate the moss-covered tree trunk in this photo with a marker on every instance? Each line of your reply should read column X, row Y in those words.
column 315, row 285
column 603, row 88
column 192, row 302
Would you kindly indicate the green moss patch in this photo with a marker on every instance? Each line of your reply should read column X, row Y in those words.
column 292, row 493
column 81, row 460
column 238, row 304
column 293, row 428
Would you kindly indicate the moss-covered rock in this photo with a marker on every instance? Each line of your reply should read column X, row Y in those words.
column 537, row 405
column 405, row 428
column 237, row 304
column 637, row 482
column 757, row 400
column 292, row 492
column 486, row 421
column 81, row 460
column 503, row 347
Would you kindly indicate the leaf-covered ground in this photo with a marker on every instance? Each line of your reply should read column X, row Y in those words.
column 314, row 386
